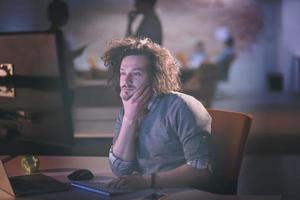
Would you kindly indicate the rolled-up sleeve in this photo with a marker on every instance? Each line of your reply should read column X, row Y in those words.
column 119, row 166
column 193, row 126
column 198, row 151
column 201, row 164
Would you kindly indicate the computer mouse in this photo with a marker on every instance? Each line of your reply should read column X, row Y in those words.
column 80, row 175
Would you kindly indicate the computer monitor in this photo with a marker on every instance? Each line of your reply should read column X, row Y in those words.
column 35, row 111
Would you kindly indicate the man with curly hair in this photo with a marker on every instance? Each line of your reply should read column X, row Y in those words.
column 162, row 136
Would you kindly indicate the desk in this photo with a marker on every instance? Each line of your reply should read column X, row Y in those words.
column 60, row 167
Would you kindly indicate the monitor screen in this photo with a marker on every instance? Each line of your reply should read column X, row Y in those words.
column 35, row 114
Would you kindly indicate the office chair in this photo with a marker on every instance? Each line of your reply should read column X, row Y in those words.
column 203, row 83
column 229, row 134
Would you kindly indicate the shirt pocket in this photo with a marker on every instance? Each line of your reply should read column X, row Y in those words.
column 162, row 143
column 157, row 139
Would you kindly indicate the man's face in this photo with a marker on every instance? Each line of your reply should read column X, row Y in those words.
column 133, row 75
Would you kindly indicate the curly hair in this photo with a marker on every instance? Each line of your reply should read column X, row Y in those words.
column 163, row 69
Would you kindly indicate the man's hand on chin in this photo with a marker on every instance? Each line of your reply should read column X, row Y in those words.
column 135, row 105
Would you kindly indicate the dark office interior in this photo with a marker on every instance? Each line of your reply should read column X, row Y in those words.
column 263, row 79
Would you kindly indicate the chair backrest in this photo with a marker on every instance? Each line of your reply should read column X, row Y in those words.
column 229, row 134
column 203, row 83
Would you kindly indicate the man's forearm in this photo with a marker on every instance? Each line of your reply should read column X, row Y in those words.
column 124, row 146
column 183, row 176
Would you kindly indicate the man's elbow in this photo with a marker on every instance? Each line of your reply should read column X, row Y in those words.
column 118, row 171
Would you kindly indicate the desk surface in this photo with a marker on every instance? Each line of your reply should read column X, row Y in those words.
column 60, row 167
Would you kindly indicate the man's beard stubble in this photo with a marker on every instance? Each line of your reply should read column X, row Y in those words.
column 126, row 95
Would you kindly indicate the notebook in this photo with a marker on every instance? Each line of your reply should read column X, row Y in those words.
column 98, row 185
column 29, row 184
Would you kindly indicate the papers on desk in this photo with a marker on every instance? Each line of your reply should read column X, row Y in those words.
column 98, row 185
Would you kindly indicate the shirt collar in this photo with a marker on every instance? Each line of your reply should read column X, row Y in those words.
column 153, row 102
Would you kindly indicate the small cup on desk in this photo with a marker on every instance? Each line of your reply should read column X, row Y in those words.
column 30, row 164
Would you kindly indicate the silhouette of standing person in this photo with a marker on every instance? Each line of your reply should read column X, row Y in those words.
column 150, row 25
column 58, row 14
column 225, row 58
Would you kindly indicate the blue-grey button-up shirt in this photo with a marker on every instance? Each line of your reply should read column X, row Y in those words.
column 175, row 131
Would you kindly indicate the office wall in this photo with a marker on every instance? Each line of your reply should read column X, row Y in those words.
column 249, row 72
column 16, row 18
column 289, row 42
column 92, row 19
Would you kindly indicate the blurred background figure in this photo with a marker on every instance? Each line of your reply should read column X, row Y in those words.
column 192, row 61
column 227, row 55
column 225, row 58
column 198, row 56
column 146, row 20
column 200, row 76
column 202, row 84
column 58, row 14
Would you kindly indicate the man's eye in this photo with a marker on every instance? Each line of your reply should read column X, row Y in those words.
column 122, row 73
column 137, row 74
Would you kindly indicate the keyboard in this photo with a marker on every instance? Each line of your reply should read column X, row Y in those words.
column 36, row 184
column 98, row 185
